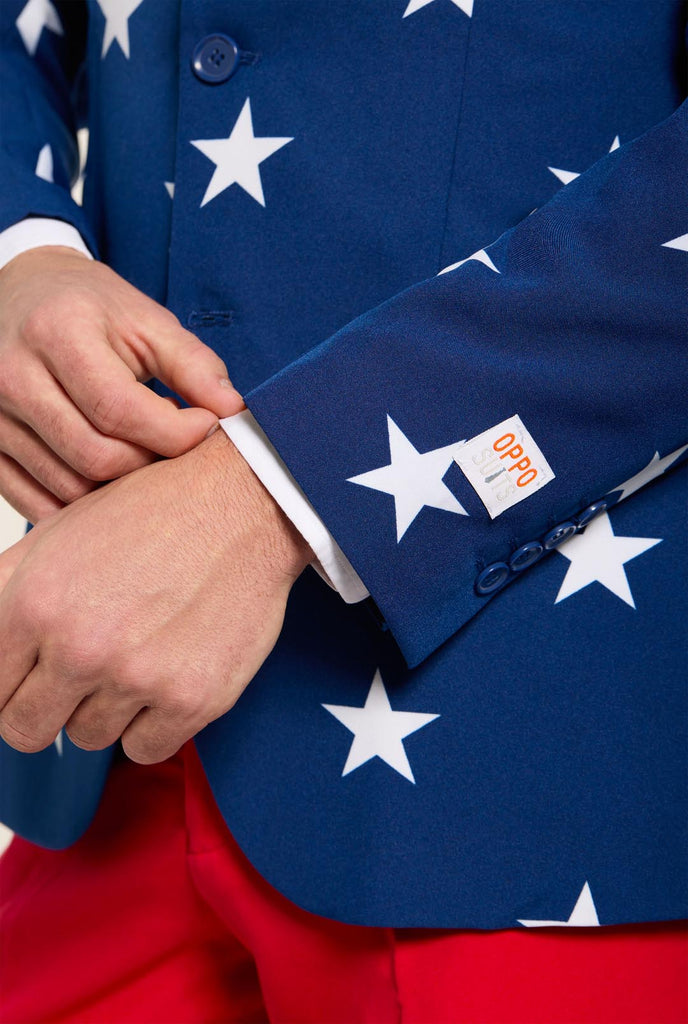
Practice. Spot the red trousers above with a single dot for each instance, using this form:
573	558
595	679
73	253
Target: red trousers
156	916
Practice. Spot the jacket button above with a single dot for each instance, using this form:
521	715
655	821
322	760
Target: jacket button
558	534
215	59
590	512
492	578
525	555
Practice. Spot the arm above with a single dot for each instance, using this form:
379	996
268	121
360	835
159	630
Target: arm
77	342
578	327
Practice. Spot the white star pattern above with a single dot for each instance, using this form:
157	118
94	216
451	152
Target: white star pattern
413	478
583	915
654	468
567	176
481	256
117	14
378	730
677	243
415	5
44	164
37	15
169	188
598	556
237	158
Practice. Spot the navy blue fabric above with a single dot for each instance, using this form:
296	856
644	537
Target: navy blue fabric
558	754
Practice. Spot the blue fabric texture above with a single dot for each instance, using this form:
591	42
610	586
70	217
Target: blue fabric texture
440	757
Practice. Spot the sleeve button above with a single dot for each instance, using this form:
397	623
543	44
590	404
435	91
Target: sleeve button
590	512
526	555
558	534
492	578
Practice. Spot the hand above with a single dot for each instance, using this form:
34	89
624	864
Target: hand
76	342
144	609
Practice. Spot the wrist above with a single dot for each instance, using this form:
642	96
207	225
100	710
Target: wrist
238	500
40	257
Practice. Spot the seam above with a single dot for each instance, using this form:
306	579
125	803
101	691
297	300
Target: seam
459	122
392	939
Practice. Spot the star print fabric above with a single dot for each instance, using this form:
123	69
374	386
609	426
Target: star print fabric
481	762
562	335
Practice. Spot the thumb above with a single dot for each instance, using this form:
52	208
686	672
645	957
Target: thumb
181	361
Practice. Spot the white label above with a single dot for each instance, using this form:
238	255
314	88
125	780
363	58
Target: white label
504	465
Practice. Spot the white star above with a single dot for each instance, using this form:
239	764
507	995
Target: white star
678	243
117	14
59	740
654	468
44	164
379	731
567	176
37	15
597	555
583	915
413	478
169	188
415	5
481	256
237	158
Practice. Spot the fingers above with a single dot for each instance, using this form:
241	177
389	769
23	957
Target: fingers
36	711
100	719
181	361
157	733
25	447
29	498
119	406
52	415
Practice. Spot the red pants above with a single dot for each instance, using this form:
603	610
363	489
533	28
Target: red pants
156	916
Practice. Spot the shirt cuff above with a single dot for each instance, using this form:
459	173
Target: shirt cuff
33	232
331	562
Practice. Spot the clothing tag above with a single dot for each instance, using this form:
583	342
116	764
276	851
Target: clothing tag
504	465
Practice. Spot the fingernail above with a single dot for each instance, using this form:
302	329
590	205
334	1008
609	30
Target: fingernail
225	382
215	426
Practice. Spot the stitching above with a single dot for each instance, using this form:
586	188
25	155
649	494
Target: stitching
207	317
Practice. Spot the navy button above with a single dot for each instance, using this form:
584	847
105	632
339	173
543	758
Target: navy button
526	555
558	534
590	512
215	59
492	578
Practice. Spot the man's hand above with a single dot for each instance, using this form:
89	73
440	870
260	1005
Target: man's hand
76	341
145	608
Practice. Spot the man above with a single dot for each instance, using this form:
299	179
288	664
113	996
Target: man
479	743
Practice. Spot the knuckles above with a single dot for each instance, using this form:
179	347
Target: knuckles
23	734
97	460
54	316
109	412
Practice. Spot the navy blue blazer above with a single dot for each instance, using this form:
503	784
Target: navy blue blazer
496	738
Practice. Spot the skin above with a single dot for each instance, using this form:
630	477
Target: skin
144	607
76	344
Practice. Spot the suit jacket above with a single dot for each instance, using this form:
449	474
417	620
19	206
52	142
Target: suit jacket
497	738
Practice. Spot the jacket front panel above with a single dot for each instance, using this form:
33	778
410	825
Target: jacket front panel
539	773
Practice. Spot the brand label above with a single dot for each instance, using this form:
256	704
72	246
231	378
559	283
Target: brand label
504	465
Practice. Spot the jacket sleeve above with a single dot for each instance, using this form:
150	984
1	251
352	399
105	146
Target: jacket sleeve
42	48
574	321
